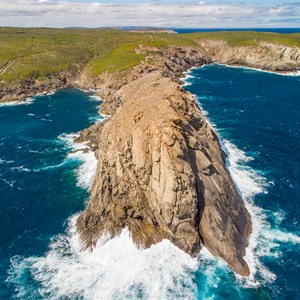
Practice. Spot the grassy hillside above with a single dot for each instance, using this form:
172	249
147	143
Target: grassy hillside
248	38
38	53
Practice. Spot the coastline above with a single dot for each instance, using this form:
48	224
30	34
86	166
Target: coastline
265	57
248	282
82	270
283	73
25	99
115	98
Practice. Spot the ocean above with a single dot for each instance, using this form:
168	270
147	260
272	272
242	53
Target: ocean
44	185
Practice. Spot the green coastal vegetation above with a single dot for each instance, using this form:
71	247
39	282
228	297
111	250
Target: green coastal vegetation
37	53
248	38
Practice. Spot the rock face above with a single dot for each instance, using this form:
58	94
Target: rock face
161	170
266	56
30	87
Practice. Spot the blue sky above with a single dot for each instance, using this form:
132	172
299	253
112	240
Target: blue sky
163	13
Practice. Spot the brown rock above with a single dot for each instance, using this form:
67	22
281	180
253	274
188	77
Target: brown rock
161	173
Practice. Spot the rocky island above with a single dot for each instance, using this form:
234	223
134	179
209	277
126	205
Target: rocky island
161	171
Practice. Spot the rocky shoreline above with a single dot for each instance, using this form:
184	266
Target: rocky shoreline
161	171
265	56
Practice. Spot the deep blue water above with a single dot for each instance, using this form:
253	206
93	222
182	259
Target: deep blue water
276	30
37	183
257	116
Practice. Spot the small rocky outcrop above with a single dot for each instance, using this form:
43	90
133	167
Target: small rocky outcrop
161	170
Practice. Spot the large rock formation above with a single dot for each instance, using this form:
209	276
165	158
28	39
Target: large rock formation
161	170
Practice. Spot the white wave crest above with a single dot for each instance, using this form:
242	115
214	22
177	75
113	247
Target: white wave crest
86	171
95	97
80	151
15	103
295	73
187	76
114	270
247	180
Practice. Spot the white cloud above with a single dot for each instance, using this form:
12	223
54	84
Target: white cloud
95	14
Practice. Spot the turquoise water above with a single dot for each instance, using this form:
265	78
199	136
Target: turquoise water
44	186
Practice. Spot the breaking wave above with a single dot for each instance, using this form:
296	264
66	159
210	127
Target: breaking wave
80	151
115	270
14	103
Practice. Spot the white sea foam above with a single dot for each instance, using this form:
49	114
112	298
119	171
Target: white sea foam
14	103
249	183
115	270
266	239
10	183
187	75
86	171
296	73
80	151
46	120
21	168
95	97
3	161
51	93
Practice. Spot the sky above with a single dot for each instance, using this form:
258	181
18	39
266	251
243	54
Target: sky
162	13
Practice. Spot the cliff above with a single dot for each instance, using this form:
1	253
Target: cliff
161	170
31	87
264	55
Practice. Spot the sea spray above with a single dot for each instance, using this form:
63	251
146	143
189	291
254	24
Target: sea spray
290	73
114	270
27	101
80	151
